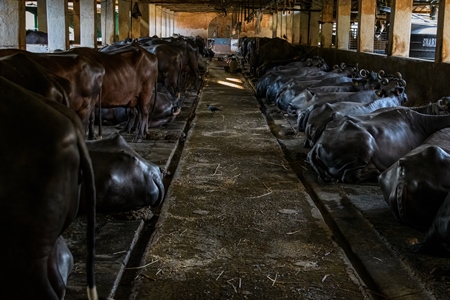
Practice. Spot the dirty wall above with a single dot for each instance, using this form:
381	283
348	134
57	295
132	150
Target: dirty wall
193	24
426	81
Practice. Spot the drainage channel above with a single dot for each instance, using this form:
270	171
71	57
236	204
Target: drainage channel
129	285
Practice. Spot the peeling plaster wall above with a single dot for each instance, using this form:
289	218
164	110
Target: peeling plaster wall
222	26
193	24
249	29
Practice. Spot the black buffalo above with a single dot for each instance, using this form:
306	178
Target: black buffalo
165	110
416	185
265	49
124	180
357	151
321	115
437	238
294	69
36	37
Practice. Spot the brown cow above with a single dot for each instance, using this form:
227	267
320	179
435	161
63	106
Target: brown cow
130	80
39	194
85	77
22	70
167	108
170	64
186	47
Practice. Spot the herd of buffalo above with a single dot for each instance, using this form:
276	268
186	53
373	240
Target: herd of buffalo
54	164
359	128
356	123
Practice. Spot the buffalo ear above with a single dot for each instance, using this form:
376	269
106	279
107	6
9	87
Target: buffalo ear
399	90
358	81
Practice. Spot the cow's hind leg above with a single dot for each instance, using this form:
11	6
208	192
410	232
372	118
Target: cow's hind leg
147	100
91	128
131	123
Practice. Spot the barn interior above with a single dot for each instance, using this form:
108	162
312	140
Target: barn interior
244	215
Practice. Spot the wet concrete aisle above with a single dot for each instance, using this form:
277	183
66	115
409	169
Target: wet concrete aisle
237	223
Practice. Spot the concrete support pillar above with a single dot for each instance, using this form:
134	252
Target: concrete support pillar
173	18
296	25
174	23
366	25
167	11
343	16
314	30
107	21
400	29
289	22
159	31
443	32
13	12
124	19
58	36
88	25
327	23
163	22
145	19
152	22
280	24
42	15
76	22
166	22
304	27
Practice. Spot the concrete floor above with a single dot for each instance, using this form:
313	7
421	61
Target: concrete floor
245	218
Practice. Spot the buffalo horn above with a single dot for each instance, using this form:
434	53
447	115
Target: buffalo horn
441	105
363	73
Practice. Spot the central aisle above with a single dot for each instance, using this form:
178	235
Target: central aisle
237	223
